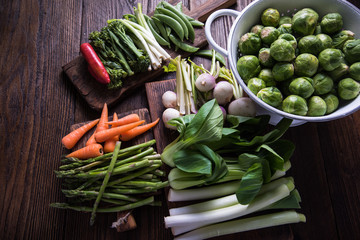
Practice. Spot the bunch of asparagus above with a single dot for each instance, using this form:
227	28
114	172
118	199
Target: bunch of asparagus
121	180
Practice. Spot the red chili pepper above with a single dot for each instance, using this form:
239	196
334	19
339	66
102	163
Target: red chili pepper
96	67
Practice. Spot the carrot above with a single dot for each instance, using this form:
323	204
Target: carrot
101	125
109	133
128	135
72	138
93	150
109	145
125	120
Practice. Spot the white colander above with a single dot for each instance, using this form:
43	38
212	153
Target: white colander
250	16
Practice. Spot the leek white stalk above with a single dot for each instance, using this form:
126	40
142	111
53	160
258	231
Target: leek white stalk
242	225
187	222
228	200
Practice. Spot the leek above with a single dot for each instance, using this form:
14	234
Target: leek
242	225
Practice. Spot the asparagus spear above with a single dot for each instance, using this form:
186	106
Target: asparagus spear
106	180
146	201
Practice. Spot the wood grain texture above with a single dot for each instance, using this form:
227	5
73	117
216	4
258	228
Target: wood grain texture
39	105
96	94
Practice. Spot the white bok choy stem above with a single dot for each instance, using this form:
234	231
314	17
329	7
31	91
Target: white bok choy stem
246	224
214	191
225	201
187	222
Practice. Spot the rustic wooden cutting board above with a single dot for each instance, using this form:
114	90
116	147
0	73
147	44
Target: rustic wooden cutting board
164	136
96	94
143	113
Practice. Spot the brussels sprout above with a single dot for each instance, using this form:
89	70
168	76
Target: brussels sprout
340	38
284	20
249	44
285	28
266	75
351	50
305	21
339	72
331	23
348	89
283	71
290	38
265	58
282	50
248	66
271	96
306	65
354	71
322	84
316	106
256	84
295	105
329	59
310	44
257	29
326	41
269	34
302	86
332	103
270	17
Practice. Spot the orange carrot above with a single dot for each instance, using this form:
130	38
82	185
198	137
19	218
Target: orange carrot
101	126
72	138
93	150
109	133
125	120
109	145
128	135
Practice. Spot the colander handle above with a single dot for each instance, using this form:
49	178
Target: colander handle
209	21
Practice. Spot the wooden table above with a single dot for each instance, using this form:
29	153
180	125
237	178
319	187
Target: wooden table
39	105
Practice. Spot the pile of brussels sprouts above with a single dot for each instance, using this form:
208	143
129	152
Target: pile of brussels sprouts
303	65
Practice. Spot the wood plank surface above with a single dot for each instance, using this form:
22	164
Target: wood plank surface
40	104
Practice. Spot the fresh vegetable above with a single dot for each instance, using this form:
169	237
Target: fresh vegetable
98	70
205	82
270	17
125	179
247	224
223	92
168	114
93	150
124	120
101	125
168	99
187	222
105	182
109	145
242	107
111	132
310	57
132	133
70	140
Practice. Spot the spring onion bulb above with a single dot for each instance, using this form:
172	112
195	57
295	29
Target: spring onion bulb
246	224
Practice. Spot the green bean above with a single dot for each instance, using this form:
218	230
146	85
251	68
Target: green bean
176	17
157	36
196	23
182	45
172	23
182	16
208	53
161	28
